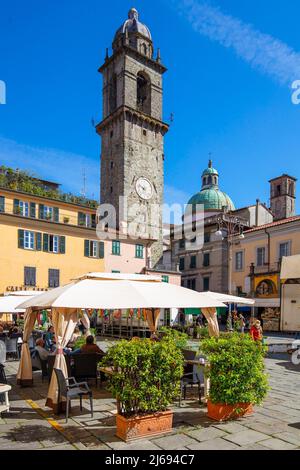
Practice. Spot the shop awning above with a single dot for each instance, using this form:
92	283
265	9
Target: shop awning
9	303
290	267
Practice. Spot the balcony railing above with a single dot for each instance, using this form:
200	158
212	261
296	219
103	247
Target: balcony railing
266	268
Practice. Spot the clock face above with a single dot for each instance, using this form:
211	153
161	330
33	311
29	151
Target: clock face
144	188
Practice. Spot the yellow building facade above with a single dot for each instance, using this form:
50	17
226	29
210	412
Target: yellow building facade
45	242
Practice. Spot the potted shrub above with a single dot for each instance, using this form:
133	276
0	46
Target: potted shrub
145	379
236	373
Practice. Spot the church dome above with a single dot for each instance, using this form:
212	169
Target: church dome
133	25
210	195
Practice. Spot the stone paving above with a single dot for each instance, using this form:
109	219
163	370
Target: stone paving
275	425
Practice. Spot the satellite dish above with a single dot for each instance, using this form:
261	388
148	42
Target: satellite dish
2	352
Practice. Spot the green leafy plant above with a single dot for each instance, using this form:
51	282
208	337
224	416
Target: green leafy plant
25	182
202	332
236	369
179	337
146	374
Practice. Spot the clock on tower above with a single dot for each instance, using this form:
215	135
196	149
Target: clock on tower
132	132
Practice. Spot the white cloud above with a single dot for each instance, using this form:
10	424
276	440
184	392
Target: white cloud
53	164
262	51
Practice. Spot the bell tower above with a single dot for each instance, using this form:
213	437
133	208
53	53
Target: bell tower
132	133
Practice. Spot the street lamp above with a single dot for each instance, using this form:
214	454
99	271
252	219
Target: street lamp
234	228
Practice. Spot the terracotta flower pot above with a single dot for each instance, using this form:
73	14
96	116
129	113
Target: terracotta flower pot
138	427
223	412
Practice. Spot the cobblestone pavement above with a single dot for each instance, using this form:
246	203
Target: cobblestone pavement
275	425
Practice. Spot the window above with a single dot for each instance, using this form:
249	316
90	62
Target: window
143	93
29	276
261	256
139	251
206	284
239	261
48	213
115	271
167	317
181	264
113	93
206	237
191	284
53	243
2	203
284	249
165	278
206	259
193	263
28	240
87	220
24	208
116	247
53	278
93	249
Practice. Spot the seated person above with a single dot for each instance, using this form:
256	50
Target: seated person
89	347
50	339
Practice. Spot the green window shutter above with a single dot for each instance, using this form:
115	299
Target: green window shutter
2	204
45	242
86	248
41	211
55	214
101	250
116	248
21	238
81	218
32	210
38	241
16	206
165	278
62	245
139	251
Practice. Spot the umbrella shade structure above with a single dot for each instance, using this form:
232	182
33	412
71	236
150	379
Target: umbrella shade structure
109	292
102	291
230	299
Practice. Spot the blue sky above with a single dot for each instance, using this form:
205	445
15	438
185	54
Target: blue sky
230	69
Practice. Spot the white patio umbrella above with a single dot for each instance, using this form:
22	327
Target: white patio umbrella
96	291
230	299
9	303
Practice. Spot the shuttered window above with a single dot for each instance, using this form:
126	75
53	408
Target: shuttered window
53	278
181	264
2	204
139	251
29	276
193	263
54	243
32	210
165	278
116	247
